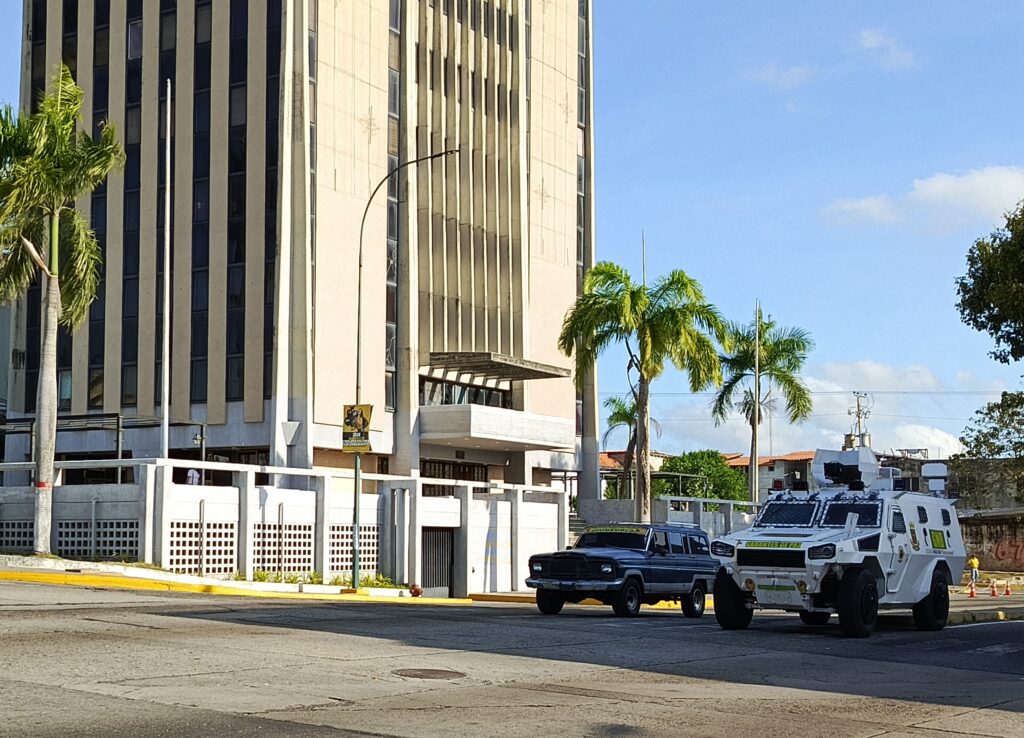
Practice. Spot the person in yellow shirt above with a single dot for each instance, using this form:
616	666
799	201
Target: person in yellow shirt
973	563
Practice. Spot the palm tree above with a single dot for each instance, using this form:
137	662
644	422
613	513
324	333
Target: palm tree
46	162
783	352
623	415
668	320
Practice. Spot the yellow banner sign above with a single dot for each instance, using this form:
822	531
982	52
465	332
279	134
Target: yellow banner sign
772	544
355	433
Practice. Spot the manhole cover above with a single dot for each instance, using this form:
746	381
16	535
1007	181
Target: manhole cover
428	673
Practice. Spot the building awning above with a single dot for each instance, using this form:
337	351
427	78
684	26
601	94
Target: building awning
490	365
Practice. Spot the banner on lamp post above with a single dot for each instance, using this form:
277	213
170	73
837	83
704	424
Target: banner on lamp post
355	433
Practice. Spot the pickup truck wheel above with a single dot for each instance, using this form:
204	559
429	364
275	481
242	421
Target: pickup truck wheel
857	603
815	617
693	603
548	602
731	609
627	602
932	612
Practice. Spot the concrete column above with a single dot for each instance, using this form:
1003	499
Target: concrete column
515	496
414	536
519	469
245	482
461	566
725	508
147	503
322	530
563	520
161	523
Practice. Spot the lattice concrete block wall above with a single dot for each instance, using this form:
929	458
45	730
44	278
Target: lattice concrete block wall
113	539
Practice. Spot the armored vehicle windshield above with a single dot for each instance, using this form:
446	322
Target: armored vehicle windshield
869	514
787	514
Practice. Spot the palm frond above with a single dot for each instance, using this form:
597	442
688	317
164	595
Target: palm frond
79	269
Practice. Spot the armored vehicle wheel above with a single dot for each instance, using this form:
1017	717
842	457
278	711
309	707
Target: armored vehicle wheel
693	603
731	609
627	602
548	602
814	618
932	612
858	603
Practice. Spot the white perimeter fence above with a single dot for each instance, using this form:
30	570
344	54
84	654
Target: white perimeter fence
478	538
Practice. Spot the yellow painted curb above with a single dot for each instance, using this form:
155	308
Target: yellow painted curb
118	582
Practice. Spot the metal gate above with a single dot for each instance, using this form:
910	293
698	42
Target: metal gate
438	558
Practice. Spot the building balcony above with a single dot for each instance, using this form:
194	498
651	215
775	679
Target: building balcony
494	428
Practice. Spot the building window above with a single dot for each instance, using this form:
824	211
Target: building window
134	40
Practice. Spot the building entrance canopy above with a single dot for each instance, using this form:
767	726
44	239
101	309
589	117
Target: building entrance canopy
487	365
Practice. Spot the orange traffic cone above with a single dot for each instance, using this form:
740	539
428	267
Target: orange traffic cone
972	590
993	593
1007	593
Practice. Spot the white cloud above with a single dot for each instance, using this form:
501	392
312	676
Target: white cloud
784	79
942	201
988	192
885	50
879	209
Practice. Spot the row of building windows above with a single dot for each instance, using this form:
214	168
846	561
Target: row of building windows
391	273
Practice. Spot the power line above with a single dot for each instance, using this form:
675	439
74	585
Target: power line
976	393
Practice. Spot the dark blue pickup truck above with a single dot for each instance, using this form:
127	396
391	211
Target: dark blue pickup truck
625	565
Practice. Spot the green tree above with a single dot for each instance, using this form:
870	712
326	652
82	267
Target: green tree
992	460
782	354
668	321
46	162
623	415
992	292
711	476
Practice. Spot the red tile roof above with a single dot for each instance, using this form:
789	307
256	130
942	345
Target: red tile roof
741	461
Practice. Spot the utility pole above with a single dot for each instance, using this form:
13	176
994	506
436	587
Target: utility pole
861	413
756	411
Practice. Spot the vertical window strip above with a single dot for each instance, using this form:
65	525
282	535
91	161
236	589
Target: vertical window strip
201	204
393	228
167	68
270	219
234	385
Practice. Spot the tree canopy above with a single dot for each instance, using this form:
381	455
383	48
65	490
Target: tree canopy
991	294
992	460
716	478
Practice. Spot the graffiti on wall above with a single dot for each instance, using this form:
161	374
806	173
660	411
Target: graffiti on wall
1009	551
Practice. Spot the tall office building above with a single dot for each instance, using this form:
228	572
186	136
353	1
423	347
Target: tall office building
286	114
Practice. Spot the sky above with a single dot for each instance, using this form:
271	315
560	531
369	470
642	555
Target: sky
834	161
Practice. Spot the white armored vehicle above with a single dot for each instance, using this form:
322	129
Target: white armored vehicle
853	546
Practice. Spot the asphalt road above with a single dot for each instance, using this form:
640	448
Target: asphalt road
82	662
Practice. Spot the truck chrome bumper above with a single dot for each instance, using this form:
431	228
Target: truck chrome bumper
595	585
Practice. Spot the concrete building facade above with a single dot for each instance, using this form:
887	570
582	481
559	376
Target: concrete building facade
286	114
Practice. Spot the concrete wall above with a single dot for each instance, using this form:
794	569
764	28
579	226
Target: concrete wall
998	542
715	522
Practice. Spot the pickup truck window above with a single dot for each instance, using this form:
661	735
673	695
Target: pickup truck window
675	541
609	538
698	545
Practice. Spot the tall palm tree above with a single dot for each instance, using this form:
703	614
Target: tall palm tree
46	162
783	352
623	415
669	320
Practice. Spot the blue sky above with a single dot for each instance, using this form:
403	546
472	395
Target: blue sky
835	161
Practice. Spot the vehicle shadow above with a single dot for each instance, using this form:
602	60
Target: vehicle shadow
777	650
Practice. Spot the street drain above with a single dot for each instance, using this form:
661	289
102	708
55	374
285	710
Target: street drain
428	673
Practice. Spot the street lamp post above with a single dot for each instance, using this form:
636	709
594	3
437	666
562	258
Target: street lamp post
359	352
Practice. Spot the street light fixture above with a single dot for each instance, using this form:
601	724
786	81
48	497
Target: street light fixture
359	351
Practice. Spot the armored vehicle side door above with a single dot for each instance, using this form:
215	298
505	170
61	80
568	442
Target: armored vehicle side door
900	550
